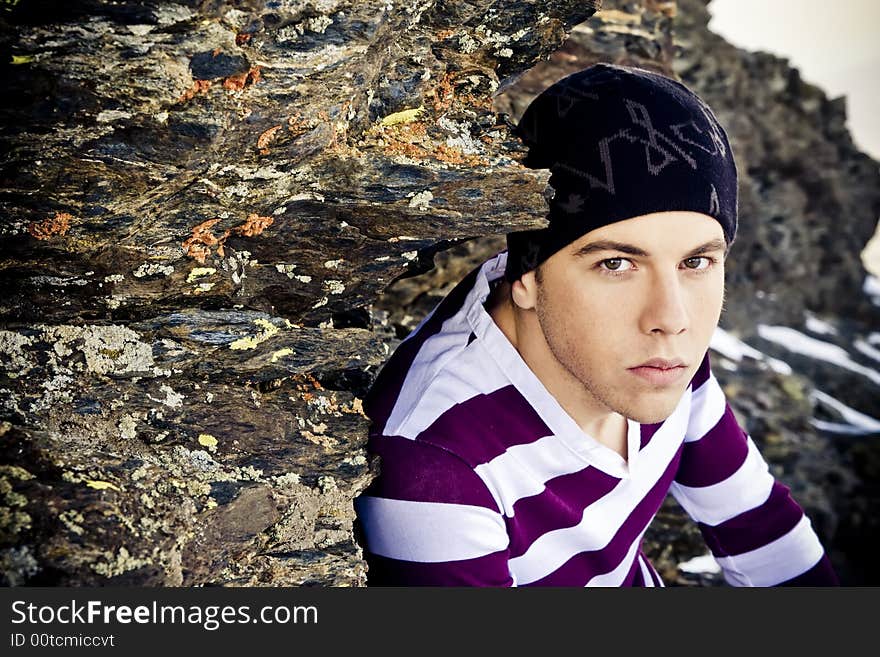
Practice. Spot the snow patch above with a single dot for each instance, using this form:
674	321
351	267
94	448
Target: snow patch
797	342
855	422
702	564
817	325
867	349
735	349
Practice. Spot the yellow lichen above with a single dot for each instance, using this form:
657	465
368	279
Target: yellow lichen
198	272
16	499
281	353
247	342
198	488
73	520
13	522
118	563
207	440
147	501
793	388
249	472
267	325
404	116
100	485
250	342
15	472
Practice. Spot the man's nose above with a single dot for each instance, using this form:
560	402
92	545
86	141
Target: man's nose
665	310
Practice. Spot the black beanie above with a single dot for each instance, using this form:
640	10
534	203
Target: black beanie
621	142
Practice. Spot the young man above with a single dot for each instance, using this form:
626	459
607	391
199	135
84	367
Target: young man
531	426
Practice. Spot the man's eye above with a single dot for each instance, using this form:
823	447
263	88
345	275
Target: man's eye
698	262
616	264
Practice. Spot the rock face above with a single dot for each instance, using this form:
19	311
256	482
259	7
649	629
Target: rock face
202	204
200	200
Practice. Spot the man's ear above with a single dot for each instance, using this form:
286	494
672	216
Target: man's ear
524	291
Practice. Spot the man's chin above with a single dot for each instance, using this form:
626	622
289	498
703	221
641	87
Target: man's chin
654	411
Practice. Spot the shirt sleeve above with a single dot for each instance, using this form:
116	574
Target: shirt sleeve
429	520
756	531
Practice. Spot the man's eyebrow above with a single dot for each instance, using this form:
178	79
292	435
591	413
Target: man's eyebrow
717	244
610	245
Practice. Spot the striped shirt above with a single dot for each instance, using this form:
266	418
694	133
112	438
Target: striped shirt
487	481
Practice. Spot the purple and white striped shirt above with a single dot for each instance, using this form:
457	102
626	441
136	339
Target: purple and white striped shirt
486	480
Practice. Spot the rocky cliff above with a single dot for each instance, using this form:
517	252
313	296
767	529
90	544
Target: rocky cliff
200	201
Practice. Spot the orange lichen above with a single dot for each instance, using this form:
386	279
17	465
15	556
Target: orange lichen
242	38
443	93
254	225
198	87
216	52
305	383
235	82
313	381
444	34
402	148
239	81
266	138
411	140
452	155
198	245
57	225
404	139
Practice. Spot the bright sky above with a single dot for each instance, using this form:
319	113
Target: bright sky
834	45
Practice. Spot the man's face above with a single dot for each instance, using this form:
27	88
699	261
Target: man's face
644	288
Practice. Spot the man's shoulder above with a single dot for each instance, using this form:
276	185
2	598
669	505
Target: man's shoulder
448	370
476	427
451	402
436	344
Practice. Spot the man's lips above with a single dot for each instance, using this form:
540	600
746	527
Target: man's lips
663	363
660	371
